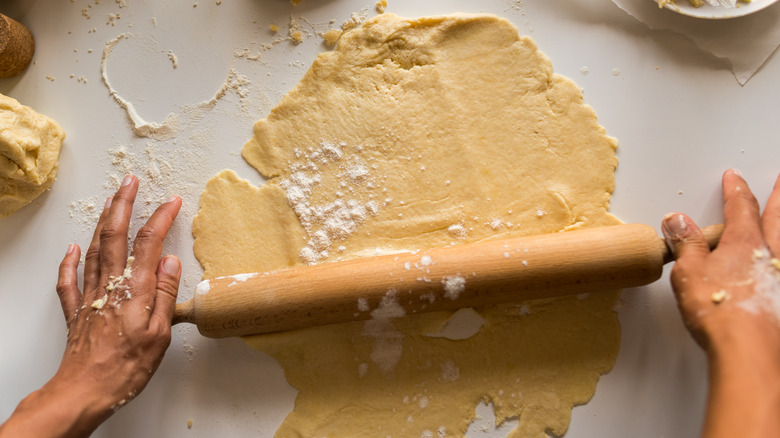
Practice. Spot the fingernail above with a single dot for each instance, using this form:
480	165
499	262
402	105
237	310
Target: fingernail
737	172
71	247
171	265
128	179
109	200
674	226
171	199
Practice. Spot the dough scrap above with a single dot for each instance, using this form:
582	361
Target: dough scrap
29	149
418	133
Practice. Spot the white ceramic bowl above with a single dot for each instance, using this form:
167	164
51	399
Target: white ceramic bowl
718	12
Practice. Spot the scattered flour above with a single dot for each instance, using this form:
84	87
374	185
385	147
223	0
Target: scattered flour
766	276
495	224
241	278
453	286
362	305
203	287
449	371
388	341
457	230
86	211
333	220
141	127
168	129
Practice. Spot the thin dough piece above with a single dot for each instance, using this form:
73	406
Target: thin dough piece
417	133
239	225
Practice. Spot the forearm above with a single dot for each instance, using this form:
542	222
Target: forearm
57	410
744	398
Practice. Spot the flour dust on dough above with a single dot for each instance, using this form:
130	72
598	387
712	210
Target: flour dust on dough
29	149
419	133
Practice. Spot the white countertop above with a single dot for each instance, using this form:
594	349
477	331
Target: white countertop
678	112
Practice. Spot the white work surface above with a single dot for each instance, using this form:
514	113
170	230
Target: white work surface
679	114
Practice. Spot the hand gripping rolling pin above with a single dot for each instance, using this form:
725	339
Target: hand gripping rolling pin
467	275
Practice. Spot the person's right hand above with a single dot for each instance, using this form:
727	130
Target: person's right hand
729	299
737	285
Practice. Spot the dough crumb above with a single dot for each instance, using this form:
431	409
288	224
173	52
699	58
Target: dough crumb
174	59
720	296
381	5
189	421
112	18
297	37
332	36
100	302
117	287
355	20
759	254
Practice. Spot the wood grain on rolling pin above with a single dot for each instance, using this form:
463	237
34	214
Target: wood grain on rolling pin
542	266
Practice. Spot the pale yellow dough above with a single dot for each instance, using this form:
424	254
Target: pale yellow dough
29	149
417	133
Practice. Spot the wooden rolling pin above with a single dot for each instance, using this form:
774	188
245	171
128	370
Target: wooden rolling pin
468	275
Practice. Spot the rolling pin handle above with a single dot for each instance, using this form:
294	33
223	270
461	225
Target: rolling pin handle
711	233
185	312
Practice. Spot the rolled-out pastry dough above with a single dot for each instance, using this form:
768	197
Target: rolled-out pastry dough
417	133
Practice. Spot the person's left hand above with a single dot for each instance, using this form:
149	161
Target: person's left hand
118	328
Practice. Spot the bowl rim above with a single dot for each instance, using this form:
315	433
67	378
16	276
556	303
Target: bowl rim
717	12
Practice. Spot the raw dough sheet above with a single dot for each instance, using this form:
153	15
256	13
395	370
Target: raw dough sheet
418	133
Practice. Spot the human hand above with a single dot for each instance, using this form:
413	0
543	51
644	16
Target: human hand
737	285
118	328
730	301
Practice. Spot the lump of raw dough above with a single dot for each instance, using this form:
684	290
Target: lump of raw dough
29	148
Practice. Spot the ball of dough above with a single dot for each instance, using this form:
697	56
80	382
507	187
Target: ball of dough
29	148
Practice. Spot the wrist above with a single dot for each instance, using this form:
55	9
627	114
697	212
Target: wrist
735	335
744	375
744	358
59	409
